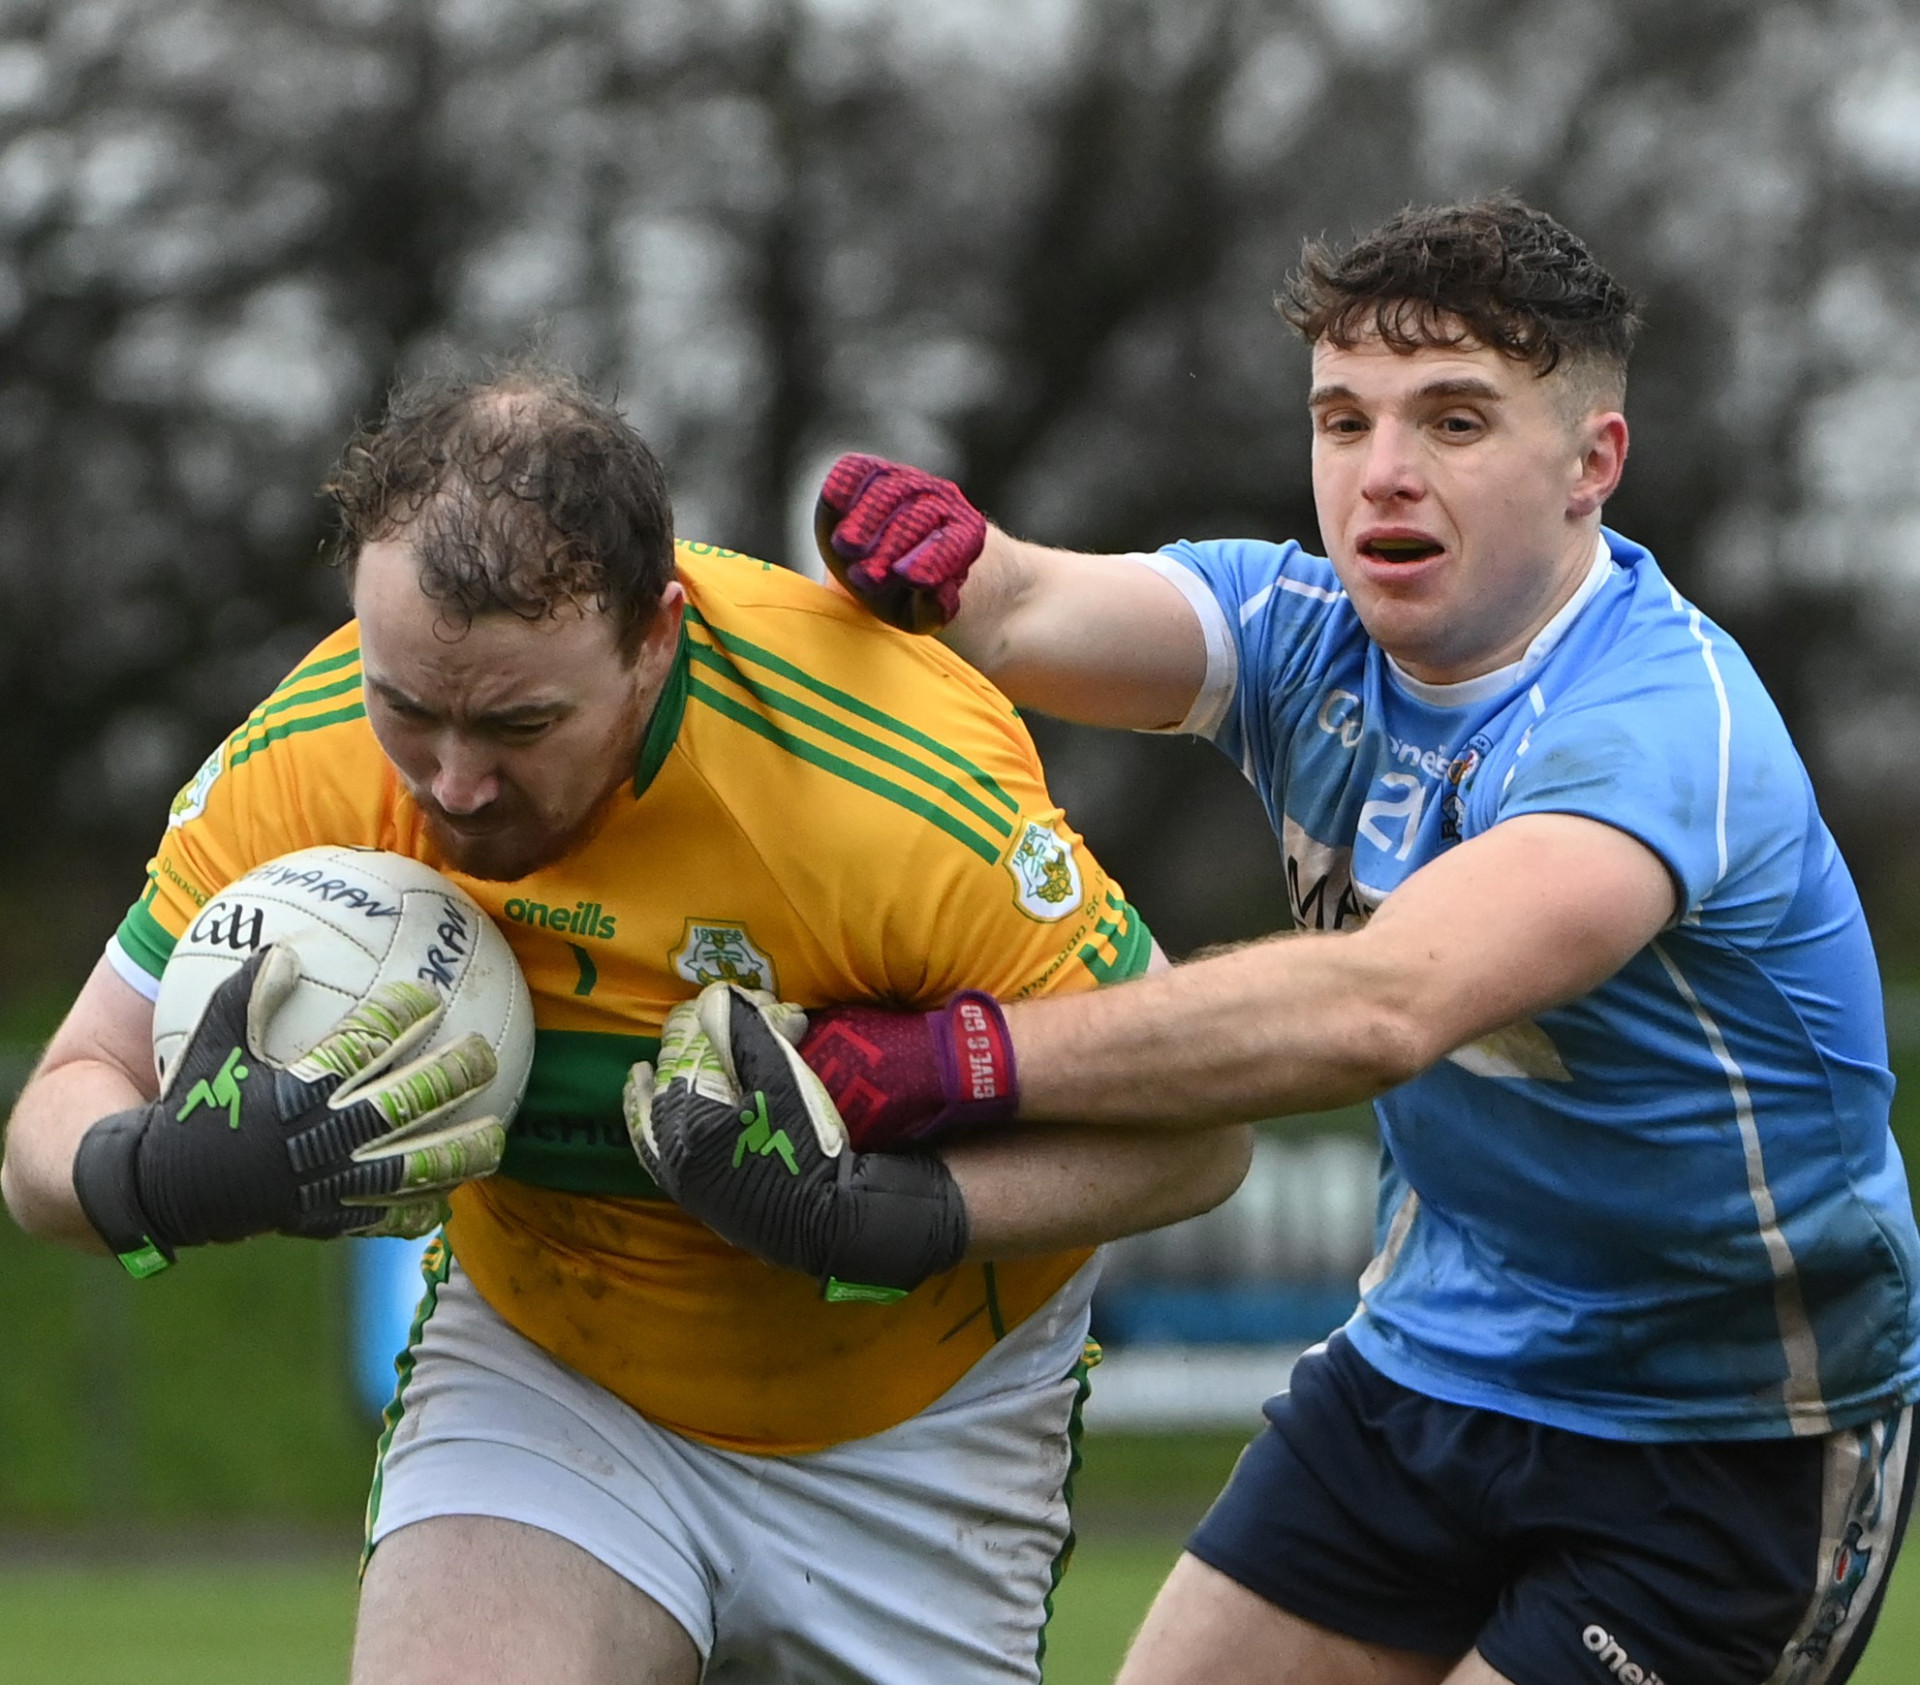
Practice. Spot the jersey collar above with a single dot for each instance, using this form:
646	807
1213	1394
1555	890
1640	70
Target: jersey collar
664	727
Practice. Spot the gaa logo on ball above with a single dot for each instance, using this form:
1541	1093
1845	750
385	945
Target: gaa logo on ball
356	918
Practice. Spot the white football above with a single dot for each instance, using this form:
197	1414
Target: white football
356	917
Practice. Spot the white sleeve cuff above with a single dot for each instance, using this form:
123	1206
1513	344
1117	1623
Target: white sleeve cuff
129	972
1210	707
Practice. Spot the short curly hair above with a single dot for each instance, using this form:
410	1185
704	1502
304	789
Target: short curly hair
518	494
1494	272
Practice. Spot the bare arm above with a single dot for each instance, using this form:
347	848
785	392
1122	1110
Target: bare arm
99	1061
1531	914
1099	639
1047	1189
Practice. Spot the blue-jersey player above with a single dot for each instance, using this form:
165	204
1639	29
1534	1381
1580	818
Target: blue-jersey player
1628	1394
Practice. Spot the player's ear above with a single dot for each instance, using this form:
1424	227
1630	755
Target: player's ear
661	638
1602	442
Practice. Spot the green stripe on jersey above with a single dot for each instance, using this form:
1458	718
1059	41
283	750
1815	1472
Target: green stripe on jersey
291	728
1132	949
828	762
314	669
287	697
776	702
569	1134
737	646
579	1071
146	941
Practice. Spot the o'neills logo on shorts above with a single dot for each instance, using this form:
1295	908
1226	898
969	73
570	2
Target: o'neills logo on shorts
1612	1655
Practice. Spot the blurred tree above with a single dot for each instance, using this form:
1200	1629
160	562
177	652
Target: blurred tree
1027	244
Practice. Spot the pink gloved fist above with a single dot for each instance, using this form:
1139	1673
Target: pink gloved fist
900	540
902	1079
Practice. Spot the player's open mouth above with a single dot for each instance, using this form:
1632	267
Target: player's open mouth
1400	549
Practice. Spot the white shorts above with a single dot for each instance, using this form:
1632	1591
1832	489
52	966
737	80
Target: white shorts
925	1553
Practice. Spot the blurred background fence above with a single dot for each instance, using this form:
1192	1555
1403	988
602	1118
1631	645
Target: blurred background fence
1027	242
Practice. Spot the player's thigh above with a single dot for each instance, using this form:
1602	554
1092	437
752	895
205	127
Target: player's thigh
475	1600
1206	1629
488	1427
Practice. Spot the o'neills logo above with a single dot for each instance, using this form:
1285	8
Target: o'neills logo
583	918
1612	1655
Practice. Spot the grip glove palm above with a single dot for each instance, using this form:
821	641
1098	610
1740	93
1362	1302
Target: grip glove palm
347	1139
738	1131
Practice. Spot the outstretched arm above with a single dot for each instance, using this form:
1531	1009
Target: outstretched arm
1099	639
1530	914
1102	640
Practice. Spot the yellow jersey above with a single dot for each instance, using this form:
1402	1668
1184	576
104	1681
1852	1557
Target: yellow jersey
821	807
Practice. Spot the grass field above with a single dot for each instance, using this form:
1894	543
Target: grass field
228	1623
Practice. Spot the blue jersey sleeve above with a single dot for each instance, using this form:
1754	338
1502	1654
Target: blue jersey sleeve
1687	753
1275	601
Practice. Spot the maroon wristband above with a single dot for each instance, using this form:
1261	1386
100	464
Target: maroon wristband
907	1077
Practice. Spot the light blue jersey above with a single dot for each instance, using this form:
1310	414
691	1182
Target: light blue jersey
1672	1209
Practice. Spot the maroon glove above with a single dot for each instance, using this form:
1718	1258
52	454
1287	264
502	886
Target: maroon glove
900	540
905	1077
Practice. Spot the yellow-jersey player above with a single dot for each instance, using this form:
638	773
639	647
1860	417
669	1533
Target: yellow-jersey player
623	1449
818	810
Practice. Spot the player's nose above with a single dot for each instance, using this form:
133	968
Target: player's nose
465	779
1392	465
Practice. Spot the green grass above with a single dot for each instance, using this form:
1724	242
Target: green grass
242	1623
199	1624
217	1392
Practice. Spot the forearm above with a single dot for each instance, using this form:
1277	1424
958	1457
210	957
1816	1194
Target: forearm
57	1107
997	589
1309	1022
1034	1191
1294	1024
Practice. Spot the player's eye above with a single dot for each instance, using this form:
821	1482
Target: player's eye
522	731
1460	424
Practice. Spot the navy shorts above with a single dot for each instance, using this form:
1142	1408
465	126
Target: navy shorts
1389	1516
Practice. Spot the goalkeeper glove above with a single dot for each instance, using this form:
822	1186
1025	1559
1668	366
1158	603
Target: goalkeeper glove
901	1077
736	1129
345	1140
900	540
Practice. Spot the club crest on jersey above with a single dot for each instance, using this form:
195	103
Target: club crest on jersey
192	800
1046	877
723	953
1453	808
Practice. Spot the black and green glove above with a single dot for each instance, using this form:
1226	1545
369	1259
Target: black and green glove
737	1130
348	1139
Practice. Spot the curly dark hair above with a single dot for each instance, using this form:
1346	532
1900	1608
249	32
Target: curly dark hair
517	493
1495	272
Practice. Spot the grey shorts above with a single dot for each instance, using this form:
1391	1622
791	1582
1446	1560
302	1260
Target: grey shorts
927	1552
